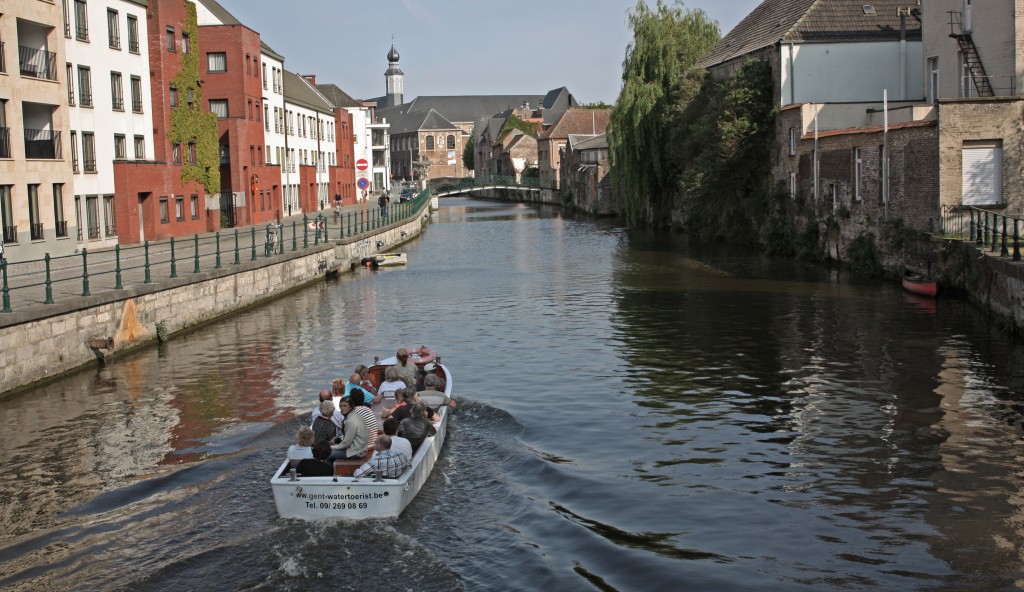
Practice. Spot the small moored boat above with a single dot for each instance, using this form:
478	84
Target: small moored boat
388	259
916	283
353	498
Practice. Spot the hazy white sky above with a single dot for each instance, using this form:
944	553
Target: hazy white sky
460	47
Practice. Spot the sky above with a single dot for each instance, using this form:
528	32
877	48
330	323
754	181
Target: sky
460	47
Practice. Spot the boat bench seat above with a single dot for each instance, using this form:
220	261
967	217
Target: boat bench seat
348	466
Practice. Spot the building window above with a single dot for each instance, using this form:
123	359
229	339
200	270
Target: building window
966	81
133	34
113	31
252	155
120	147
858	172
264	76
174	97
92	215
192	152
792	185
225	154
269	153
74	152
84	86
248	65
110	228
259	153
35	223
933	80
170	39
179	207
140	148
430	142
451	142
71	85
176	153
792	141
194	201
189	98
184	42
163	210
89	152
217	62
59	223
266	117
81	21
136	83
67	19
116	92
219	107
250	109
78	217
10	229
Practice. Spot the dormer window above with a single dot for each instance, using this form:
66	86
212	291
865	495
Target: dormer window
869	9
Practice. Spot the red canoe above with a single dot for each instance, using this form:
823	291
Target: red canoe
918	284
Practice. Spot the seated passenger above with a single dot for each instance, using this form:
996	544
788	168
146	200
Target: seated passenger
353	385
325	395
398	443
302	447
400	402
413	397
388	463
407	366
360	429
417	427
433	393
323	426
364	375
318	466
394	379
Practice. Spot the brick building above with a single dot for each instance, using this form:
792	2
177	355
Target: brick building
586	173
551	142
151	200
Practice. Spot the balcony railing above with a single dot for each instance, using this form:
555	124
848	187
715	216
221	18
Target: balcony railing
10	234
44	144
36	230
137	106
133	44
62	227
94	231
37	63
110	230
5	142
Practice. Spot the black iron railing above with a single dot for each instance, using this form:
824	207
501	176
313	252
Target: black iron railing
10	234
37	63
986	228
62	227
110	230
43	144
36	230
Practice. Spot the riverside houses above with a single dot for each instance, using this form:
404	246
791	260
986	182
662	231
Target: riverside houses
309	120
108	95
36	210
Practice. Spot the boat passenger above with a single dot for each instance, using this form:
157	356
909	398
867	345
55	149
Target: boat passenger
413	397
323	426
318	466
433	393
400	402
355	441
387	462
394	379
407	366
353	385
417	427
302	447
364	376
325	395
398	443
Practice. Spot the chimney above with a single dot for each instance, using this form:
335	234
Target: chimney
310	78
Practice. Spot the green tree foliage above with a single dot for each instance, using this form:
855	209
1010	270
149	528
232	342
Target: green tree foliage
723	140
513	122
189	122
667	43
468	156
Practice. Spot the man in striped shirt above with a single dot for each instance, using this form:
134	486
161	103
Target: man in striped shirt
389	464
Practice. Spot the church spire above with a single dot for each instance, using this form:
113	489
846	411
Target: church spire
394	79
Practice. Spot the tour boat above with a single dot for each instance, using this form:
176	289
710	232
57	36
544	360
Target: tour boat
346	497
916	283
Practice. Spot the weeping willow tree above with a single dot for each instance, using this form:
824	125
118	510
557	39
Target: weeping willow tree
667	42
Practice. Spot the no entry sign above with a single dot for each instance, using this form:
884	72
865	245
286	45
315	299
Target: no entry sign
362	165
363	183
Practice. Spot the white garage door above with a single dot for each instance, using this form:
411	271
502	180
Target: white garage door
982	175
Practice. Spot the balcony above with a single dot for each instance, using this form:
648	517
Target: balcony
36	230
62	227
37	63
5	142
42	144
10	234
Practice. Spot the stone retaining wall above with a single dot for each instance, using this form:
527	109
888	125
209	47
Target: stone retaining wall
46	347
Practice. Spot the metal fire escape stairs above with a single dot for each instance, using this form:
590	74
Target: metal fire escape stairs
970	54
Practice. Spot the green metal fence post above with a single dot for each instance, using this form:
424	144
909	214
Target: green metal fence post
217	236
280	239
174	264
253	242
85	272
1016	241
238	258
305	231
196	244
6	288
349	214
295	237
266	243
117	268
1003	250
148	279
49	284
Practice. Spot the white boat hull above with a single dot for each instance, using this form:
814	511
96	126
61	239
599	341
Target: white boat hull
351	498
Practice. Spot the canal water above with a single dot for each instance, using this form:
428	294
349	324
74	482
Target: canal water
636	414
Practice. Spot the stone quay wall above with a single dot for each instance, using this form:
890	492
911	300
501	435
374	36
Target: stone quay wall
104	325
